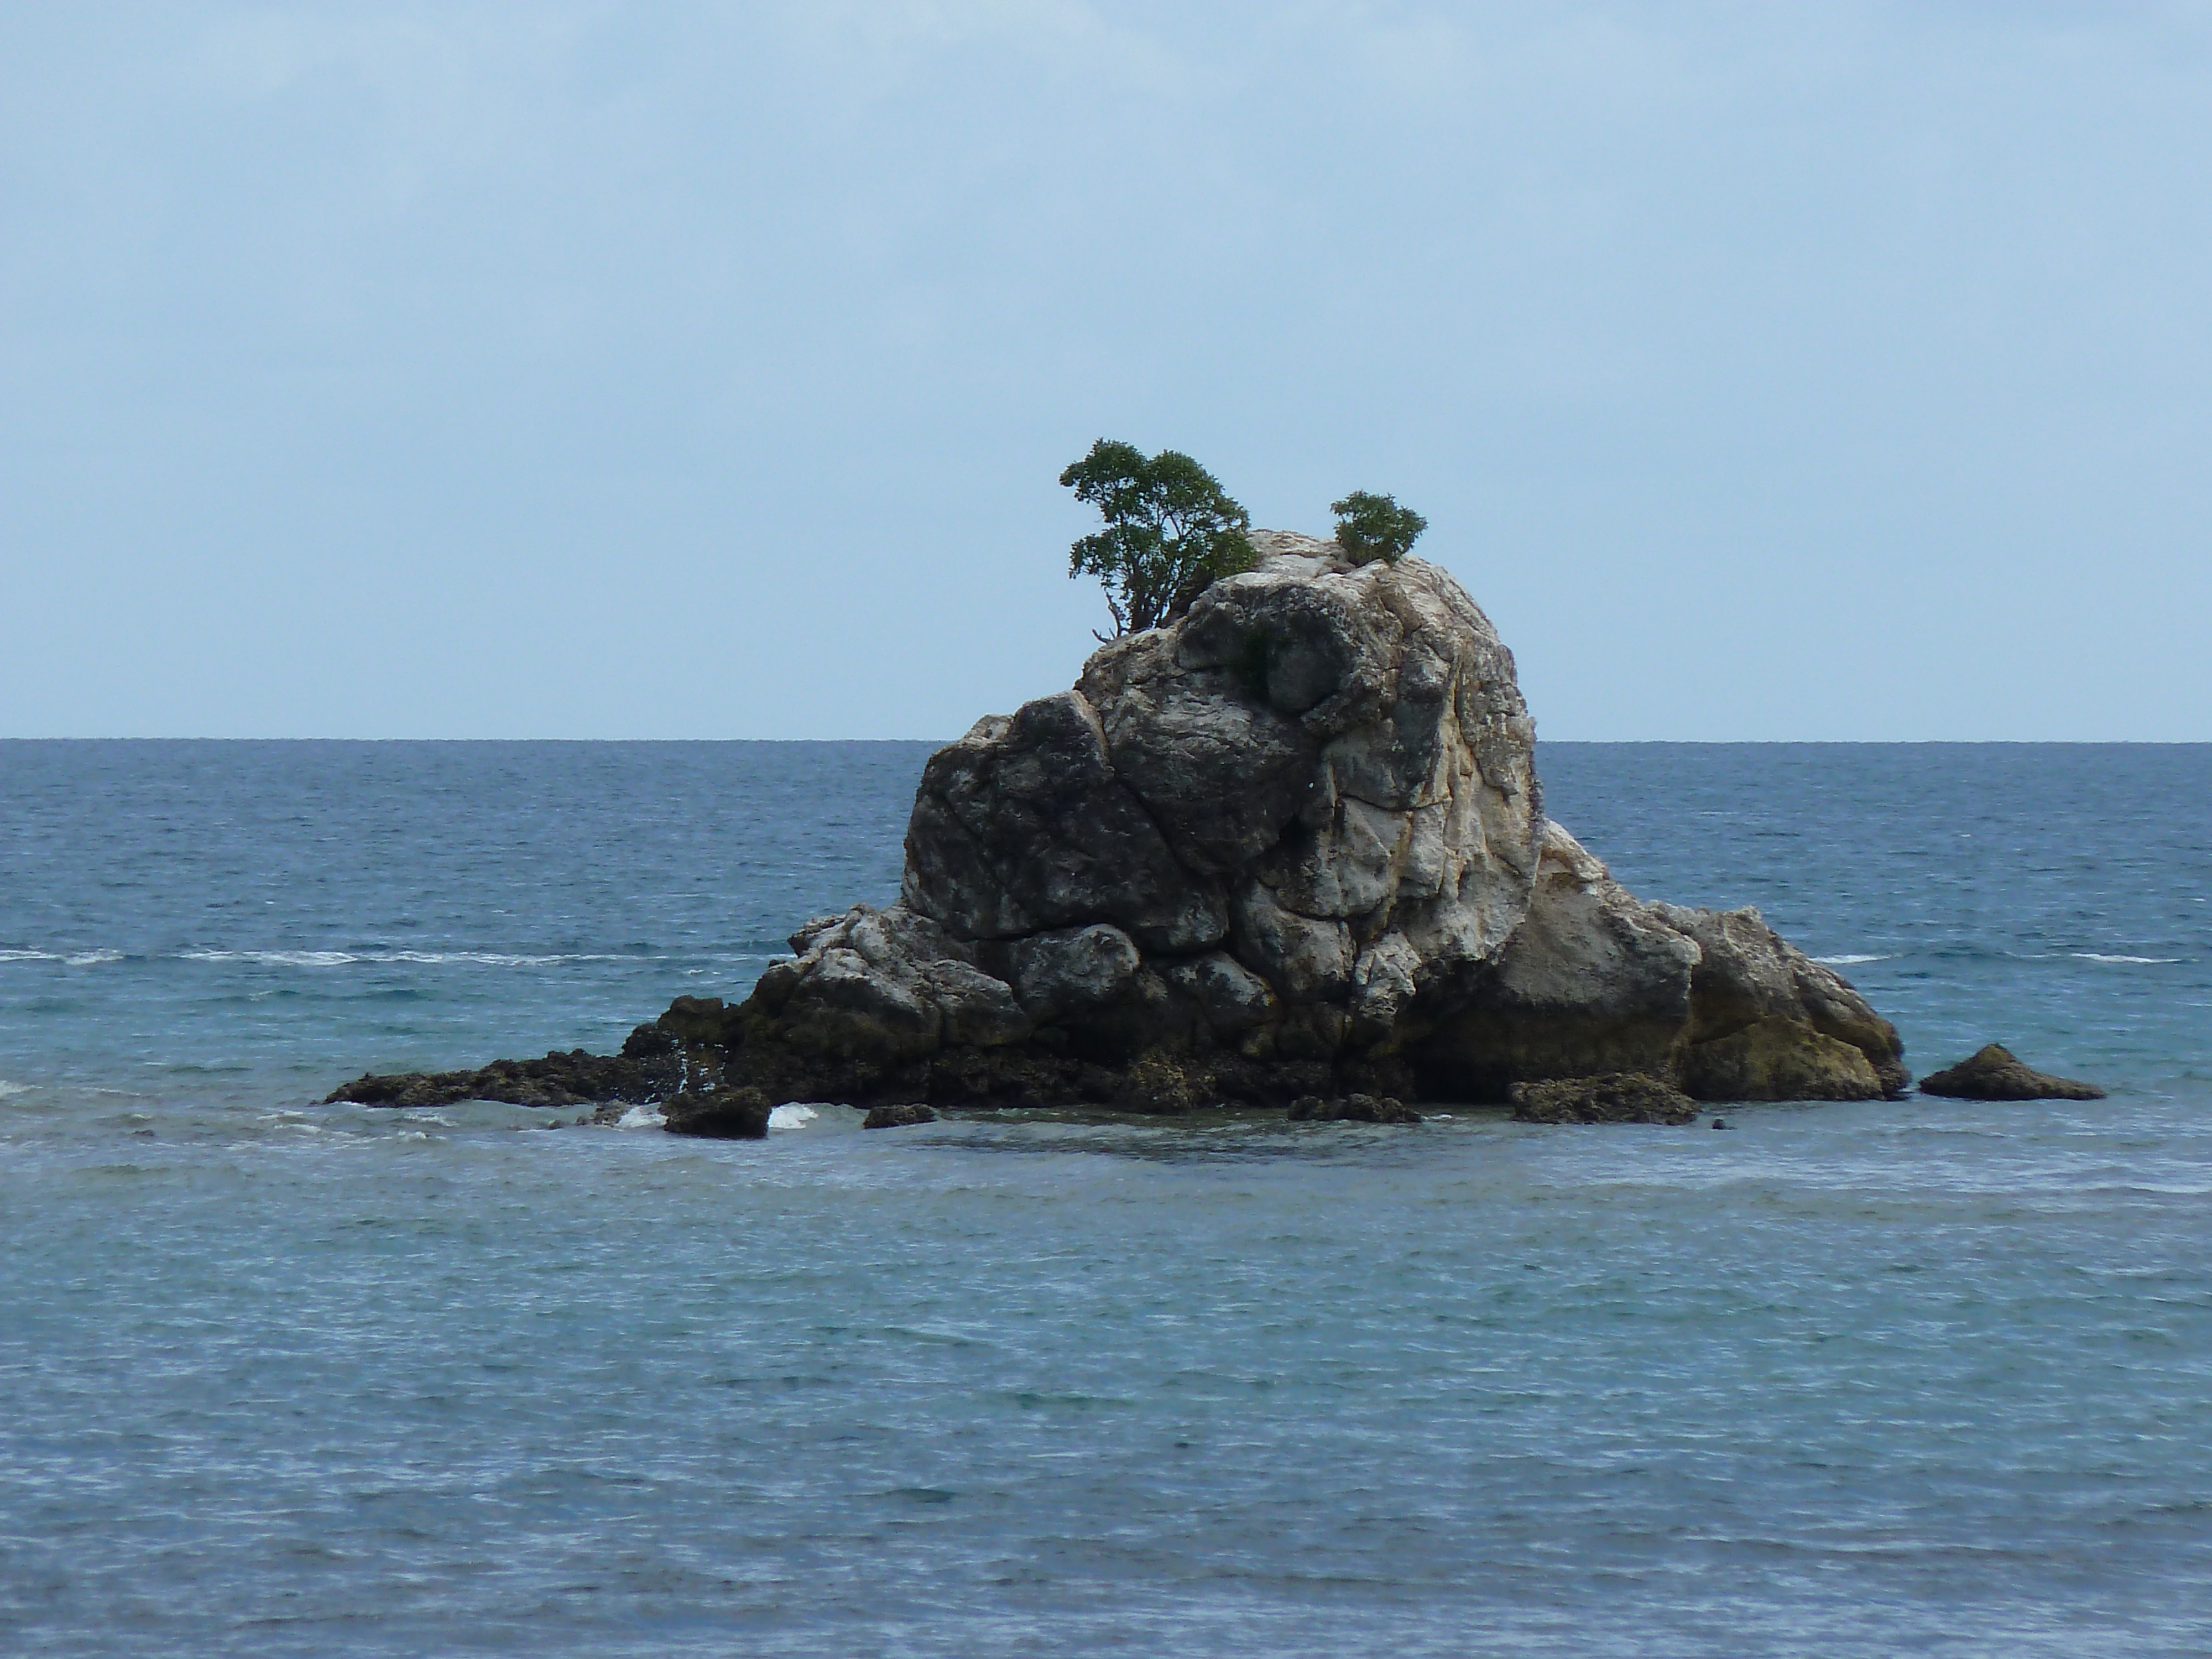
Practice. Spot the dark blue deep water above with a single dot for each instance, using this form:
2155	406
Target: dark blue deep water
1849	1380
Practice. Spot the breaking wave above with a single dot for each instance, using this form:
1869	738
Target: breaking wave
340	958
332	958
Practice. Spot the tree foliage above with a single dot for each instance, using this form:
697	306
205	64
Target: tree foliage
1171	532
1371	527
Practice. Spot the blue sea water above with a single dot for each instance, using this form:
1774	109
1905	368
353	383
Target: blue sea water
1846	1380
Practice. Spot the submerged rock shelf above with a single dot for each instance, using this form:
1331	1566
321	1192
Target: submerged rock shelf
1290	845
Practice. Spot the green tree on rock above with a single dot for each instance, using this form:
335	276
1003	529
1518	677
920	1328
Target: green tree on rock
1371	527
1171	532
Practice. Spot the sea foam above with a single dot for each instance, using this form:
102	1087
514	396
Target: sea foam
340	958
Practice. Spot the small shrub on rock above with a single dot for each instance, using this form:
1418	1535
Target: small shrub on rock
1371	527
1171	532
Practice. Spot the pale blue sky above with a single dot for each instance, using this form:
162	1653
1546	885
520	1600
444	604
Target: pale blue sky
1788	370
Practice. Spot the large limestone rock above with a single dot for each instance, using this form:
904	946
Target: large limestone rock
1290	845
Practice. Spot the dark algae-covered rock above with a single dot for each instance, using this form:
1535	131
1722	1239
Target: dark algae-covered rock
1290	843
904	1115
739	1113
577	1079
1619	1097
1994	1073
1352	1108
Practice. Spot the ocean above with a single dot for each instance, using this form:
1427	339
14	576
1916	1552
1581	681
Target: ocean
1916	1376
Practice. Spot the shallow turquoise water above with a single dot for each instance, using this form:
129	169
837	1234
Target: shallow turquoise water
1845	1380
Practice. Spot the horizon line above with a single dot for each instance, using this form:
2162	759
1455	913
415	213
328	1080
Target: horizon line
1653	743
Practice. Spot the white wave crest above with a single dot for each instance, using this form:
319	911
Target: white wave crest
1851	960
340	958
640	1117
791	1117
2148	962
8	1088
329	959
487	958
273	958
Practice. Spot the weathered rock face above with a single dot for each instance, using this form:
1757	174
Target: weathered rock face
1596	980
1593	981
1290	845
1322	776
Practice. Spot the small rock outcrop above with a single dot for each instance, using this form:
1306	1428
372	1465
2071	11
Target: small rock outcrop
1620	1097
1995	1073
904	1115
1290	844
1353	1109
575	1079
739	1113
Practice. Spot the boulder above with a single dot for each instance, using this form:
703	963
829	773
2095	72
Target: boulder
739	1113
904	1115
1619	1097
1995	1073
1352	1108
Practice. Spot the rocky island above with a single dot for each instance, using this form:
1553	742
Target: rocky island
1288	846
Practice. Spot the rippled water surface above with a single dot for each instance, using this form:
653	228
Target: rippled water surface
1840	1380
